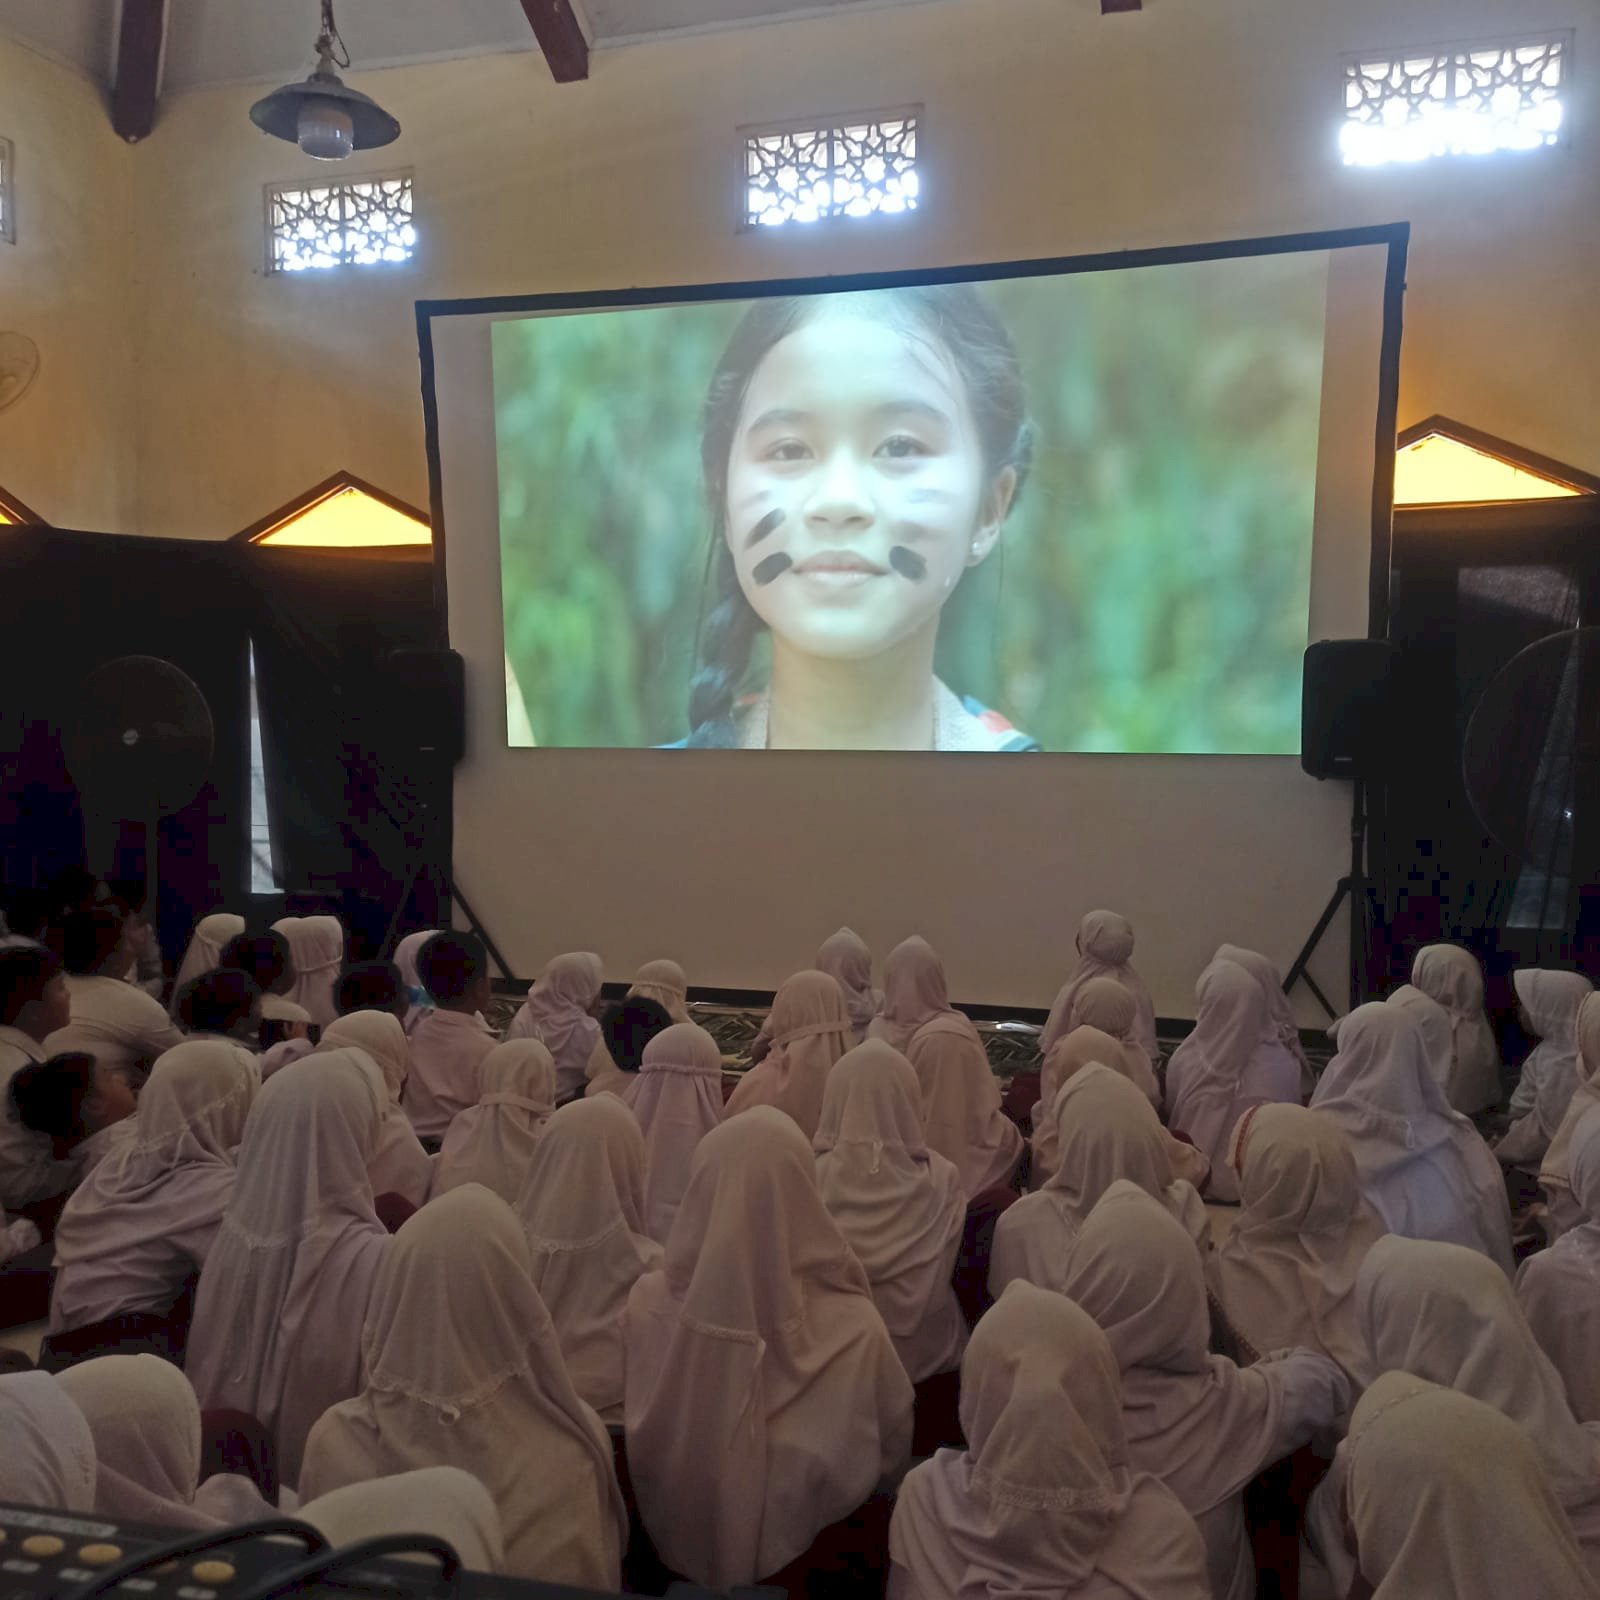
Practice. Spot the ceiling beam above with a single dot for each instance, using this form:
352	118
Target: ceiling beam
1111	7
141	39
555	25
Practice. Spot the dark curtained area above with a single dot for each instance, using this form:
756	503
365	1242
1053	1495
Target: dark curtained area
342	793
351	810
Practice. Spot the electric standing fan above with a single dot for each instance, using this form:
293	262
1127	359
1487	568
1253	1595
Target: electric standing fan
138	741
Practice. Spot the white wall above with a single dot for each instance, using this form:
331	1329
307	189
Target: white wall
67	446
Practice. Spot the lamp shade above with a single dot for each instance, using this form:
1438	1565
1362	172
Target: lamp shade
318	105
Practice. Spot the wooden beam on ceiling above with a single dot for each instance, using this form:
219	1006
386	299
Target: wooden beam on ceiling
141	39
1111	7
555	25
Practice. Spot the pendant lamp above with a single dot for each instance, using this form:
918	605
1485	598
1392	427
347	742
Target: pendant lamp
323	116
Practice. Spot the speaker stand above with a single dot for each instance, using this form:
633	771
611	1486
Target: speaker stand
426	813
1355	887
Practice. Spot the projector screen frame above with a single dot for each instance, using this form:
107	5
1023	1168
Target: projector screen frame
1391	238
1395	235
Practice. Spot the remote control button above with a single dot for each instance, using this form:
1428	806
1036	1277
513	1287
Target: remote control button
211	1572
100	1555
191	1593
19	1566
43	1545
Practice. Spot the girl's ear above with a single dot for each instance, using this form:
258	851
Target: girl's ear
992	515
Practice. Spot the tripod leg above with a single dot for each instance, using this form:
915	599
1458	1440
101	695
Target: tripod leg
478	928
1302	961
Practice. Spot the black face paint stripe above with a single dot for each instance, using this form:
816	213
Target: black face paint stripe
908	563
772	567
765	526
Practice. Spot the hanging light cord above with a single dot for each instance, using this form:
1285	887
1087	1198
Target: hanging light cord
330	43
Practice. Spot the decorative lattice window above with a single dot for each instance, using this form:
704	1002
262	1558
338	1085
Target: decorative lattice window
8	214
856	167
1456	100
354	222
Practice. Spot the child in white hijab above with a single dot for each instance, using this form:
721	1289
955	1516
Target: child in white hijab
400	1165
1281	1026
559	1014
1105	1130
493	1142
1442	1313
914	993
1451	976
1559	1288
463	1369
48	1459
665	983
145	1219
1105	950
145	1421
810	1032
445	1502
285	1287
1044	1501
1202	1425
1068	1056
316	951
1550	1004
844	956
583	1207
1104	1005
764	1397
1433	1023
1287	1272
1232	1061
1447	1497
1562	1208
677	1098
961	1105
1424	1169
205	946
899	1204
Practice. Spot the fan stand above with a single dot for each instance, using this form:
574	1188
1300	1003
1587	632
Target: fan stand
1355	886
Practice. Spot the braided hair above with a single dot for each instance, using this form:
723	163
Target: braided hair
953	316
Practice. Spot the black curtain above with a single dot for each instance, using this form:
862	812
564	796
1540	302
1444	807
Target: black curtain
70	602
352	812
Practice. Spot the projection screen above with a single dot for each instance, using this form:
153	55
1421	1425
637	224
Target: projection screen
731	565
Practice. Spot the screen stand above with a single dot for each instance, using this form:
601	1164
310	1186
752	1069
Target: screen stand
1356	887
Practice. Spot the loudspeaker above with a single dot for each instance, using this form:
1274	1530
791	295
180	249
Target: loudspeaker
1345	708
430	696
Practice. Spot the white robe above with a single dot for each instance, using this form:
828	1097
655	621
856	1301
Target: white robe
764	1397
462	1369
1201	1424
1044	1501
120	1026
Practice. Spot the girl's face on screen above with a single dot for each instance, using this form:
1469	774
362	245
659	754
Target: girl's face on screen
859	432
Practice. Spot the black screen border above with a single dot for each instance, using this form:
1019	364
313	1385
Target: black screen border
1396	236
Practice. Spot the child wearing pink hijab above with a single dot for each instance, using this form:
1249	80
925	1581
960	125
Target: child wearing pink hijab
677	1098
1105	950
810	1032
1229	1063
316	952
1044	1500
1550	1002
559	1013
145	1219
764	1398
277	1316
914	993
900	1204
1201	1424
961	1112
